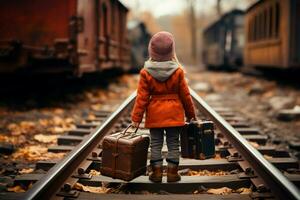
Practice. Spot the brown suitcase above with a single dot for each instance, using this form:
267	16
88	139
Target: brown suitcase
124	155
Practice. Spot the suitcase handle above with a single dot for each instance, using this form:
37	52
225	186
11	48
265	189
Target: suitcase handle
124	133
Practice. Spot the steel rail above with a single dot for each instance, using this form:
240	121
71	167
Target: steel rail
281	187
49	184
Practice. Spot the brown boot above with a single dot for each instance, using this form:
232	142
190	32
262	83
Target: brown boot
156	174
172	175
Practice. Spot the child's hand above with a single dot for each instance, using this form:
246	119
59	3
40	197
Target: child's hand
192	119
135	124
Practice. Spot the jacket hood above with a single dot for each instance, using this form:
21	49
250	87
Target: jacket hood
161	71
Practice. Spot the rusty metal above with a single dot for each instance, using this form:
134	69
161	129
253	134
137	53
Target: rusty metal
80	36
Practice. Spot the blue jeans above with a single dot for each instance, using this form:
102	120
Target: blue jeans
157	140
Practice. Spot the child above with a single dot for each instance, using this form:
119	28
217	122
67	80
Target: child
163	93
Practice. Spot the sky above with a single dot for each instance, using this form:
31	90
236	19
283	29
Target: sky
165	7
156	7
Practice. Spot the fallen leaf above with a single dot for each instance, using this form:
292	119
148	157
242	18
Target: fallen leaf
57	120
35	153
58	111
13	139
27	124
14	129
254	144
243	190
57	129
12	126
196	192
26	171
207	173
89	95
22	128
91	117
59	125
68	121
268	157
98	190
94	172
217	156
30	185
96	107
3	138
44	122
46	138
220	191
17	189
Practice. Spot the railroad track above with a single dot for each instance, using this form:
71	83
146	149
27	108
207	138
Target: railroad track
268	171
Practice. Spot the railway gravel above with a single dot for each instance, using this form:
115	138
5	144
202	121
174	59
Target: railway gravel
258	99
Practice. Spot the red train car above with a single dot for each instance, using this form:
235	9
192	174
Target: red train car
62	36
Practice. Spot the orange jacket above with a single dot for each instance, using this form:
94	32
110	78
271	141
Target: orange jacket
166	103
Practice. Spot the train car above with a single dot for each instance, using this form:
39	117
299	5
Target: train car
139	38
72	37
273	34
223	42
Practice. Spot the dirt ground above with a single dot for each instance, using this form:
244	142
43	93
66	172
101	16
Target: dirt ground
31	121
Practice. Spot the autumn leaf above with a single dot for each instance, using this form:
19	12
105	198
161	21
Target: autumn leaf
14	129
17	189
26	171
254	144
98	190
207	173
35	153
56	129
243	190
92	97
96	107
91	117
68	121
58	111
15	140
57	120
58	125
46	138
23	127
94	172
220	191
44	122
30	185
3	138
196	192
268	157
218	156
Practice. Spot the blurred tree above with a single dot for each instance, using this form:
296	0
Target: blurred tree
151	23
193	29
188	25
181	31
219	8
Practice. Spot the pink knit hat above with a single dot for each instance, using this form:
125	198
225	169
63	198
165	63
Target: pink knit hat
161	46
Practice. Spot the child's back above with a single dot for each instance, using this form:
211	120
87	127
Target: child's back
164	95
